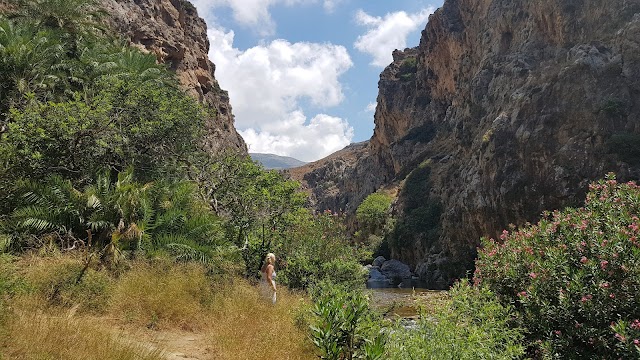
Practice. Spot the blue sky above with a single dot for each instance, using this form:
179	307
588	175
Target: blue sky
302	75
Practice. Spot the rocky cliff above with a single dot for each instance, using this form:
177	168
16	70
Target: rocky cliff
505	109
173	31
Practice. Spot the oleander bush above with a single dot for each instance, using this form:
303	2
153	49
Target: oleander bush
574	277
343	327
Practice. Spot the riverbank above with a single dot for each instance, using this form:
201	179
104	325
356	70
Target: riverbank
395	303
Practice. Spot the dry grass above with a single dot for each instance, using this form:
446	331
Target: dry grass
248	326
38	336
163	295
53	279
230	321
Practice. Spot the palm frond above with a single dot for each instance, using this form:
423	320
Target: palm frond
186	253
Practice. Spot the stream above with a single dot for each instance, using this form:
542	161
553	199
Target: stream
403	302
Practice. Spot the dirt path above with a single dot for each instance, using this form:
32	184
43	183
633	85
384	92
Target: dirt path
179	345
174	344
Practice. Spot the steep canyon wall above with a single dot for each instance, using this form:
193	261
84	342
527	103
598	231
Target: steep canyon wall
505	109
173	31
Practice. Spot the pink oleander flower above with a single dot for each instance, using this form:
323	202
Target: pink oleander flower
522	294
603	264
635	324
533	275
612	295
636	342
584	259
586	298
605	285
621	338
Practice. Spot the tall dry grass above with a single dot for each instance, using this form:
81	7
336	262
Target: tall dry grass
247	326
163	295
56	281
55	318
40	336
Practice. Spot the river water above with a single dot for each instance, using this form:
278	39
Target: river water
404	302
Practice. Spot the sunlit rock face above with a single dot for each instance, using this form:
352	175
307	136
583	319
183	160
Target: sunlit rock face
173	31
504	110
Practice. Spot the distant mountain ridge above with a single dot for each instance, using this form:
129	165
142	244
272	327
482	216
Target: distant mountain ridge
276	162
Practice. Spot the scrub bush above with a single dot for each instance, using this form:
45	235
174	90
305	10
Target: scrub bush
472	325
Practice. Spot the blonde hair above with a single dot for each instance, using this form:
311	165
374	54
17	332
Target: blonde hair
270	258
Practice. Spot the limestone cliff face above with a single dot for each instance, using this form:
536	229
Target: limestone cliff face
505	109
173	31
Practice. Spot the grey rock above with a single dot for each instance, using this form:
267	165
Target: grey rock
379	261
396	270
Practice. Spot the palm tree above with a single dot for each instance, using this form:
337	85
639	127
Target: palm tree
27	56
56	207
123	216
74	19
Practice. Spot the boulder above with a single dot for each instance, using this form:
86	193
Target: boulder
396	270
379	261
376	278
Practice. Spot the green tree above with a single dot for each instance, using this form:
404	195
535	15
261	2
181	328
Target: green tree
128	124
316	247
73	20
255	203
122	216
373	215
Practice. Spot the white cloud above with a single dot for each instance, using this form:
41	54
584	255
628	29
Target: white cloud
387	34
250	13
371	107
322	136
330	5
266	84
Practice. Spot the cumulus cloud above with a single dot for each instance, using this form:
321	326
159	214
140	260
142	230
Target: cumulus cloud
266	85
371	107
250	13
322	136
388	33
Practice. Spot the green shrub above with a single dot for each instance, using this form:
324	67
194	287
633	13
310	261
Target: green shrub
373	214
575	276
473	326
420	222
319	249
613	107
343	327
409	66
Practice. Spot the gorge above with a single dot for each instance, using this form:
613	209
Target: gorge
505	109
